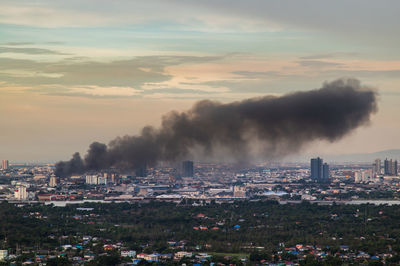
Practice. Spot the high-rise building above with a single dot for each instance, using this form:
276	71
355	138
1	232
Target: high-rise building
187	169
96	180
91	179
316	169
363	176
376	167
53	181
111	178
325	172
357	177
4	165
141	172
386	167
394	168
390	167
366	175
20	193
319	170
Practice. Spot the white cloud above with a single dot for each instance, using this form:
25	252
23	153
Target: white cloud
104	91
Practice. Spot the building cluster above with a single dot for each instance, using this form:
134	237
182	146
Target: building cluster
319	170
390	167
198	183
201	182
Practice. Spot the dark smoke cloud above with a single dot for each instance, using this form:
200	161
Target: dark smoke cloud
276	126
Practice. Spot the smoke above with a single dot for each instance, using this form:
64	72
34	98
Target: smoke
266	126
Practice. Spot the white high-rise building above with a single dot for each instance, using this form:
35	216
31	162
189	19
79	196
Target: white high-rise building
366	175
53	181
5	165
96	180
362	176
20	193
357	177
91	179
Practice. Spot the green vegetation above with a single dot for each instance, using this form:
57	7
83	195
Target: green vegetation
265	228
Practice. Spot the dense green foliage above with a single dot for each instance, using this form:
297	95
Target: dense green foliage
148	227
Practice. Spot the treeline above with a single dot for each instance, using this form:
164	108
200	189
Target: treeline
237	227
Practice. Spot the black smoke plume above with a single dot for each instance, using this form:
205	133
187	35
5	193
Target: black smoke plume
274	126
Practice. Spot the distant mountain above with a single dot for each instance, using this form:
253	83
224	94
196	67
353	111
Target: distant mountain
364	157
352	157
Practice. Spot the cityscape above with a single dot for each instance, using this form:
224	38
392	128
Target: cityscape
197	185
285	182
199	133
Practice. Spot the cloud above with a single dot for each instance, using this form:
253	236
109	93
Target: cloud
393	74
18	43
91	91
92	78
32	51
318	63
47	14
357	20
257	74
330	55
178	76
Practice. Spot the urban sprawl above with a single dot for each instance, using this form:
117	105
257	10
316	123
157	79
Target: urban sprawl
209	196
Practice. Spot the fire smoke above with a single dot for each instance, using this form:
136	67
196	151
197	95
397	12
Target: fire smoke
276	126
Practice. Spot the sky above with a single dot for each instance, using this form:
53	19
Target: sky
73	72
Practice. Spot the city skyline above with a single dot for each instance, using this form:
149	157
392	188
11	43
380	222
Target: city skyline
72	73
199	132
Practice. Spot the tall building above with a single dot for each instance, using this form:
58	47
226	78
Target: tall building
390	167
96	180
20	193
363	176
319	170
187	169
386	167
4	165
141	172
395	168
357	177
111	178
325	172
316	169
376	167
53	181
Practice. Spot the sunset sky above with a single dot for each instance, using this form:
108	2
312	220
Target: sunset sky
73	72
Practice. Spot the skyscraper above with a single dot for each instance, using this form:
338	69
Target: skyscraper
325	172
390	167
386	167
376	167
5	165
187	169
316	169
319	170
